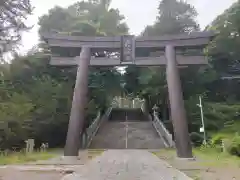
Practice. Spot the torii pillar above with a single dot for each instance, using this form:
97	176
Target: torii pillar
178	113
79	104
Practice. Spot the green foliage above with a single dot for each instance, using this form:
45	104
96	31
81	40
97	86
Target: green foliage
218	138
220	97
227	41
86	17
56	19
234	147
224	54
21	157
14	115
174	17
230	136
231	143
12	20
222	112
36	100
36	97
196	138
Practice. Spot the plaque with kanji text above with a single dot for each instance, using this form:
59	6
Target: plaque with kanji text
128	49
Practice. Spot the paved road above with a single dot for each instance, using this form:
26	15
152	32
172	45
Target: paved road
127	165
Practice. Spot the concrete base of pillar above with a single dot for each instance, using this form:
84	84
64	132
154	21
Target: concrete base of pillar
73	176
70	158
186	159
82	157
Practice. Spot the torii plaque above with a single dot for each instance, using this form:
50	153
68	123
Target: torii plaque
172	50
127	50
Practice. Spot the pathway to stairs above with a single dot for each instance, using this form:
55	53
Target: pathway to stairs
127	165
111	165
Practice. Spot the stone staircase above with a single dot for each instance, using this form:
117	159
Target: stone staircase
125	131
142	135
111	135
127	114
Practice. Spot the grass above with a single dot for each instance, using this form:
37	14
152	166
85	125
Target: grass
208	163
20	157
212	157
206	156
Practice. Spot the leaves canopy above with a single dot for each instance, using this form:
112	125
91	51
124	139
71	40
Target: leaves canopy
47	91
174	17
13	14
179	17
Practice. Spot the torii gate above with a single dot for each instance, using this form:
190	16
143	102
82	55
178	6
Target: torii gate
170	51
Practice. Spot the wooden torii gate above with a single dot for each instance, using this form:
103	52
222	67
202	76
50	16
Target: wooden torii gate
171	51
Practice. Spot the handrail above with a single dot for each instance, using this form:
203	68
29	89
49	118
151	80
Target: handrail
90	131
94	127
162	131
95	121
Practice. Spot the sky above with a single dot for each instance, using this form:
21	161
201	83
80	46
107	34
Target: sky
138	14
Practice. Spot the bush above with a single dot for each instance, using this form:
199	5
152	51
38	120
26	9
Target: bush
196	138
218	138
208	148
234	147
231	143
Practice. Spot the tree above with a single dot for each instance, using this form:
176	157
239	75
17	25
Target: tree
86	18
174	17
220	93
44	91
13	14
89	18
226	43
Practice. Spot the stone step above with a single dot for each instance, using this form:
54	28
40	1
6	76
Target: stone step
127	114
130	135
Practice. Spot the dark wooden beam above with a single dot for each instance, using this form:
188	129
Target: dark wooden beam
178	113
79	104
193	35
139	44
139	61
74	43
72	61
193	39
176	43
230	77
59	36
161	61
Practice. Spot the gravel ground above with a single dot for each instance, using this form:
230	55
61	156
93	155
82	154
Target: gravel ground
111	165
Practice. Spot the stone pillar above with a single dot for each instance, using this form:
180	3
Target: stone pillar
178	113
79	103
